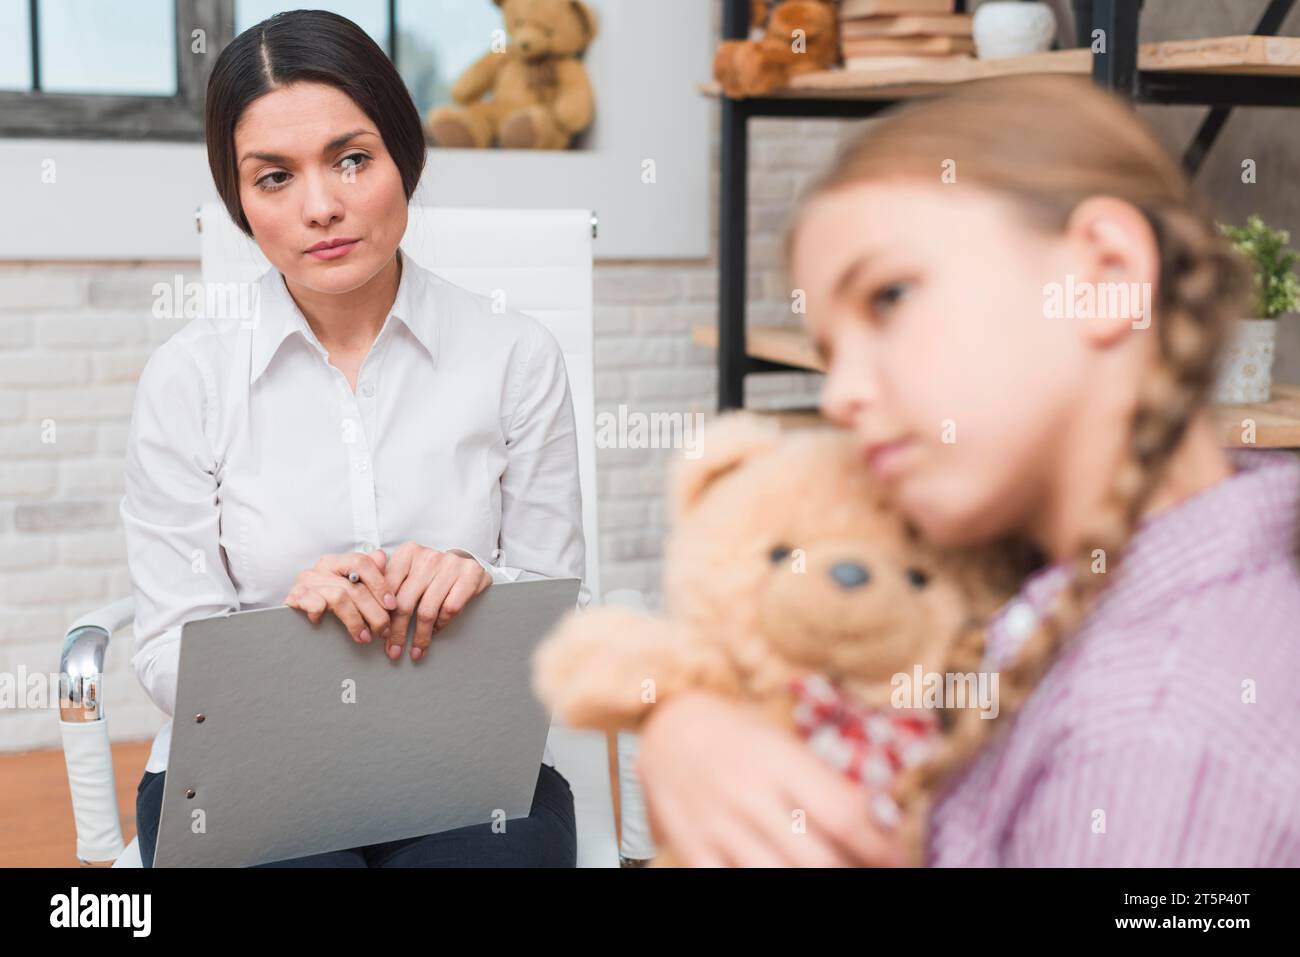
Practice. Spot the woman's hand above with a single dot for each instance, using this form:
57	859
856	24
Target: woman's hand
431	585
723	787
363	607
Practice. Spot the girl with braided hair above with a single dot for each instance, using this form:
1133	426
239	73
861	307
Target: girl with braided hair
1147	670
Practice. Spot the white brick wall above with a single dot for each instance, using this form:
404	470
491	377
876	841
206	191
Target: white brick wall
73	339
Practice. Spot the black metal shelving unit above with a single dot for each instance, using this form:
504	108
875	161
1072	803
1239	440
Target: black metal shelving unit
1115	69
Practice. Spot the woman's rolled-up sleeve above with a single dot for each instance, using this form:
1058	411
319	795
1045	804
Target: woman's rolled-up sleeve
171	517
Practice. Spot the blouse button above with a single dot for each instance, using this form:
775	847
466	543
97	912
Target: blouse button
1021	620
363	465
368	389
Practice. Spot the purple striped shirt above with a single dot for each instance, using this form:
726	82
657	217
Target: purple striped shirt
1169	731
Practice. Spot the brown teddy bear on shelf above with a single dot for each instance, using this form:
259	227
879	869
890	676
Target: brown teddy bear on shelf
540	94
799	36
792	585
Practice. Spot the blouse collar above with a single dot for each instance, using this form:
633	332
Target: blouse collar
280	317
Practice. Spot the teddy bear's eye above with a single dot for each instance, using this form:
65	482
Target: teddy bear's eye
917	578
779	554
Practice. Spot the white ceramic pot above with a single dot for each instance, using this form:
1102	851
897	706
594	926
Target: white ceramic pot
1003	28
1246	367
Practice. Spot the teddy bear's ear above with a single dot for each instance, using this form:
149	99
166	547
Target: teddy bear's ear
587	17
728	442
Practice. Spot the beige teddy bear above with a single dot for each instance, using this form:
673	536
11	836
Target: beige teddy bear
540	94
791	584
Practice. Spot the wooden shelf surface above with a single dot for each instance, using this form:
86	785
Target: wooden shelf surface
1276	422
789	419
917	76
788	344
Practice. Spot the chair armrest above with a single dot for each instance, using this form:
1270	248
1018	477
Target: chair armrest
89	758
635	843
82	725
81	660
111	617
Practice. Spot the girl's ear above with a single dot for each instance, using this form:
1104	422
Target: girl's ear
1119	263
731	440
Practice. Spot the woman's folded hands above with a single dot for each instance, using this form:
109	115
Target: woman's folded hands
417	582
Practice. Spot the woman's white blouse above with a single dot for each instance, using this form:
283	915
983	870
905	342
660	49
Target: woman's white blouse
249	456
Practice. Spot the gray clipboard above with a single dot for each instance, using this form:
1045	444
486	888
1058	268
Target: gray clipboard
285	763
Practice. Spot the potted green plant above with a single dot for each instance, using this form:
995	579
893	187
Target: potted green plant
1246	370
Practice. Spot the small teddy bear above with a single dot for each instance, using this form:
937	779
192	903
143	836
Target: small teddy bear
540	94
791	584
798	36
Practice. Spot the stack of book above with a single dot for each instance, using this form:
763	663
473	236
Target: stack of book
879	34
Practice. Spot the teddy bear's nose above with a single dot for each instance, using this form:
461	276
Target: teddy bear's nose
849	574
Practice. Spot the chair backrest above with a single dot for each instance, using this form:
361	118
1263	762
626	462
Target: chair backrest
539	260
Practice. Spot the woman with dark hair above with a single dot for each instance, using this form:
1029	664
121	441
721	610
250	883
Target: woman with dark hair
378	444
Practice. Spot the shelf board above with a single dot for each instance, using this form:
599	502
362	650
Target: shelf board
1237	55
789	419
1251	55
1277	422
787	344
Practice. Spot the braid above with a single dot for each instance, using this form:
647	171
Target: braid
1201	282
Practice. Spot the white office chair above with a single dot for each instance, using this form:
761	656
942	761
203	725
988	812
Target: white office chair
542	260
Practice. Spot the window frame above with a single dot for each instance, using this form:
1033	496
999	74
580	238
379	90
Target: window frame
35	113
177	118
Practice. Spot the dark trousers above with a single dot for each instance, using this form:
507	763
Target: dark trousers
546	838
